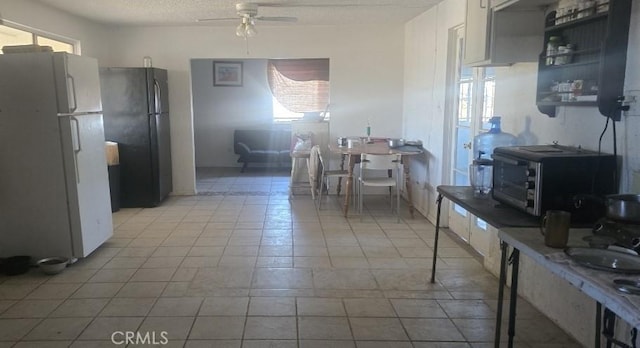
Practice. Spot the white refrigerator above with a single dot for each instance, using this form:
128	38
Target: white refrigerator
54	186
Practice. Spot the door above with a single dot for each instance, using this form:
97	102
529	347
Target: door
473	107
87	182
78	83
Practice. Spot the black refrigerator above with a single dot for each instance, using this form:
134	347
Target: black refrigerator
135	104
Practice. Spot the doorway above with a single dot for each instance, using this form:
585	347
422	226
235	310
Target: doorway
472	92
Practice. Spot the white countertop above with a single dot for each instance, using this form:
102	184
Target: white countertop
596	284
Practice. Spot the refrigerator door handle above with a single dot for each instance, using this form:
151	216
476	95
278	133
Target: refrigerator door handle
77	146
72	86
157	95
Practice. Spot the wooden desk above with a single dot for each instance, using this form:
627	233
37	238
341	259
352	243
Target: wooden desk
376	148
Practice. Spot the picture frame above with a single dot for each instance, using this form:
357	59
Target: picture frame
227	73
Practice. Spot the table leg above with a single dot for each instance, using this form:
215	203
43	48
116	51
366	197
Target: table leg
340	178
515	259
347	196
407	180
501	282
435	241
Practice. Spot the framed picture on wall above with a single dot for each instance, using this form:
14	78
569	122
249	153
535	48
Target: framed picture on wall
227	73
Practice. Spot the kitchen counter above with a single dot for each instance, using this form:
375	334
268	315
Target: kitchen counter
596	284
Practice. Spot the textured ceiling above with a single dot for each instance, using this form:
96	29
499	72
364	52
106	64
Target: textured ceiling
186	12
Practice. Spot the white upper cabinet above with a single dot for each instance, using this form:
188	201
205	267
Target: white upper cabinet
497	34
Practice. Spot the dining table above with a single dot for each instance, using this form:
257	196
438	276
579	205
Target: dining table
377	146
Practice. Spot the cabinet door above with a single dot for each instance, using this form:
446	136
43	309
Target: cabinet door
498	3
476	29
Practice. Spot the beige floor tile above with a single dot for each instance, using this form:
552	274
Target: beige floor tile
98	290
213	343
282	278
432	330
217	328
53	291
176	328
344	279
270	344
112	275
447	345
345	251
200	261
237	261
275	250
463	309
327	343
31	309
206	251
125	262
73	275
15	329
311	262
272	306
385	329
349	262
224	306
142	289
410	308
365	307
153	275
271	328
409	279
311	306
324	328
383	344
174	307
128	307
274	261
224	277
79	308
40	344
58	329
101	328
163	262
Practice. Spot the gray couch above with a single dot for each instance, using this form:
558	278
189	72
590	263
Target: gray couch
262	146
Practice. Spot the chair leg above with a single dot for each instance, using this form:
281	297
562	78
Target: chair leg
360	203
398	202
322	179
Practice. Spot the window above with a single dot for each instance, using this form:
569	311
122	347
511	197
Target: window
13	34
299	86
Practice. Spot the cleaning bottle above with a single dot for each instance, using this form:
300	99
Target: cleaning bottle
368	131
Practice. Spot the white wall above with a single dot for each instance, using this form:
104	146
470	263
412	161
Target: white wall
426	61
219	110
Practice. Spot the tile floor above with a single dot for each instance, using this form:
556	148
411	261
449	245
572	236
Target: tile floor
241	265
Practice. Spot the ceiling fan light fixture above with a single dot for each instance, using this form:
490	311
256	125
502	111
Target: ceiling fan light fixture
250	29
241	30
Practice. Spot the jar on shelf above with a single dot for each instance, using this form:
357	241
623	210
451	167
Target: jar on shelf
552	50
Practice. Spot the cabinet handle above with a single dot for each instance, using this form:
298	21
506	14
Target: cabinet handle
485	6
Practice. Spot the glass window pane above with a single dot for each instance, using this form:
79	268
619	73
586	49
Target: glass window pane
490	72
481	224
488	102
465	95
458	209
57	46
462	154
461	179
10	36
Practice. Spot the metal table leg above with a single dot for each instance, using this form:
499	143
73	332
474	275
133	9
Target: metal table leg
435	243
598	323
501	283
515	260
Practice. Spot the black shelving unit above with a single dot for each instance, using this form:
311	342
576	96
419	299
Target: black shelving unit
597	63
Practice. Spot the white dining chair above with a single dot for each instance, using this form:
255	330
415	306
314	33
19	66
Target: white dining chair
369	165
326	175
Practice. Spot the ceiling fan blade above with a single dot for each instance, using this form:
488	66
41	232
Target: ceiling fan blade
217	19
277	19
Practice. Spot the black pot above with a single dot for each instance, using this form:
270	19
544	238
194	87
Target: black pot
15	265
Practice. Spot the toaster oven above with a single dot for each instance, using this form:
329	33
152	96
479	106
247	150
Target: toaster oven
538	178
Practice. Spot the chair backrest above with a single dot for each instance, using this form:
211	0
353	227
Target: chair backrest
317	149
379	162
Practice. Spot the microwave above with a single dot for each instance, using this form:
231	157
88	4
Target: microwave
538	178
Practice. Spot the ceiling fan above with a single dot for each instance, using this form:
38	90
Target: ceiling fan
248	13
